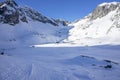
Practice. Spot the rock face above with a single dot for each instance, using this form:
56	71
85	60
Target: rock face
11	13
63	22
103	9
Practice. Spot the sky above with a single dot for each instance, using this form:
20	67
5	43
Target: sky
70	10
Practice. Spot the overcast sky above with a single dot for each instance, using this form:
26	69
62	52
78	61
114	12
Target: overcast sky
66	9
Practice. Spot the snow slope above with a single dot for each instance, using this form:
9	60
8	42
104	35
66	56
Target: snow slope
29	34
100	27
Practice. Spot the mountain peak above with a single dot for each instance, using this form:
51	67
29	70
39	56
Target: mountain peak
103	9
109	3
102	26
11	13
9	2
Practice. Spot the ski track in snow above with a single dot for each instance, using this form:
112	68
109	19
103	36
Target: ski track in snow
60	63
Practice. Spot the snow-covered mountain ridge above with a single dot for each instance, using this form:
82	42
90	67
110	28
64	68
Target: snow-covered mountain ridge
25	26
102	26
11	13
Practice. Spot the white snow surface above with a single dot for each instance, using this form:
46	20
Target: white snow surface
3	5
31	33
60	63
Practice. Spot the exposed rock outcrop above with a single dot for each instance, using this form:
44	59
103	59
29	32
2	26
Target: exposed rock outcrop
11	13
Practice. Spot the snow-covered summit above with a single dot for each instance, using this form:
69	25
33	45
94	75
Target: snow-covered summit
109	3
104	8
